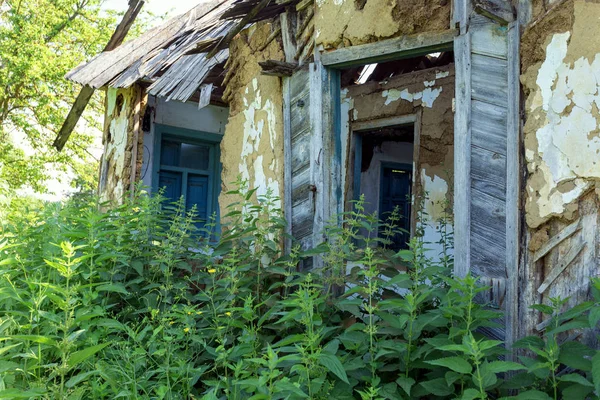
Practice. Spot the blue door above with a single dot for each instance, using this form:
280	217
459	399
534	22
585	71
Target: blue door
396	184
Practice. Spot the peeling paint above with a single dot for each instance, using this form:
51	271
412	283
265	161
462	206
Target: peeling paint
562	142
427	96
252	146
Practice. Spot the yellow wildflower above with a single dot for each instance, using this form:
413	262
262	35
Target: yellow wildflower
186	330
228	314
136	209
198	312
212	271
189	313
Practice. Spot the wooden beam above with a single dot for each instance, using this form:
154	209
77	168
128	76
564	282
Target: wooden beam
513	183
238	28
556	240
391	49
277	68
496	10
402	120
86	93
288	25
562	265
462	157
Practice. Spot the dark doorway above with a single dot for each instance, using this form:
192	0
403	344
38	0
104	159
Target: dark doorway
396	193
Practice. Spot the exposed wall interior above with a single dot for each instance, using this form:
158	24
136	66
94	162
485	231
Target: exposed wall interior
211	119
343	23
118	140
252	147
428	95
561	81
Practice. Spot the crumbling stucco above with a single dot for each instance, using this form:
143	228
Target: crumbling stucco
115	166
341	23
562	142
252	146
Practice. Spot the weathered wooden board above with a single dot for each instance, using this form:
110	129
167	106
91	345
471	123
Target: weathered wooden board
488	172
390	49
489	125
490	77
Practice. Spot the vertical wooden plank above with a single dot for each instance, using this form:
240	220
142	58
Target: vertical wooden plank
462	154
524	12
461	12
319	174
287	163
416	171
288	27
512	186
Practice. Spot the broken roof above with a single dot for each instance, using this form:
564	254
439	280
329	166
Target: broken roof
164	55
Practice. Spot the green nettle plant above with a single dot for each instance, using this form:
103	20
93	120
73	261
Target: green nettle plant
141	301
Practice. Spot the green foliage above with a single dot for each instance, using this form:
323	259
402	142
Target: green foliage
40	41
137	302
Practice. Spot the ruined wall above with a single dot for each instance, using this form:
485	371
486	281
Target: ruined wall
342	23
252	146
429	93
118	138
561	81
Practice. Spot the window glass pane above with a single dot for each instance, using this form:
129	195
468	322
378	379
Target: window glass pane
169	153
194	156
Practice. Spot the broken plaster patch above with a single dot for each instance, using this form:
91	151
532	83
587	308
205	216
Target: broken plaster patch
427	96
564	103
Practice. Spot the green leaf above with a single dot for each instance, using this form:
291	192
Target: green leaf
77	379
596	371
32	338
594	317
437	387
112	287
20	394
7	348
575	378
456	364
333	364
504	366
470	394
577	392
533	395
82	355
405	383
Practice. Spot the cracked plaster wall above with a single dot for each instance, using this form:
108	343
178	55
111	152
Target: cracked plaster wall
430	92
562	129
115	166
342	23
252	146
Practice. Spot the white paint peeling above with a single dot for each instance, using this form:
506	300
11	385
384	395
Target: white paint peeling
442	74
436	190
427	96
566	101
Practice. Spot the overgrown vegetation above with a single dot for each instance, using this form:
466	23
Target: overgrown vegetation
127	304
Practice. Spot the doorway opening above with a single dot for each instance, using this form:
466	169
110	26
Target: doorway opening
384	159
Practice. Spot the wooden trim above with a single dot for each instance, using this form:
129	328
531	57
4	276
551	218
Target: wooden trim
390	49
287	164
557	239
462	157
384	122
512	186
561	266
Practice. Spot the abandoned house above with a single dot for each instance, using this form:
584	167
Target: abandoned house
481	114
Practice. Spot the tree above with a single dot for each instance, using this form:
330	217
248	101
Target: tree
40	41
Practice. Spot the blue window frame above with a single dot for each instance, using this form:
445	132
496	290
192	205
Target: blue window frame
187	163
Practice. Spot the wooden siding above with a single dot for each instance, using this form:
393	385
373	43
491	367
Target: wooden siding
299	158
